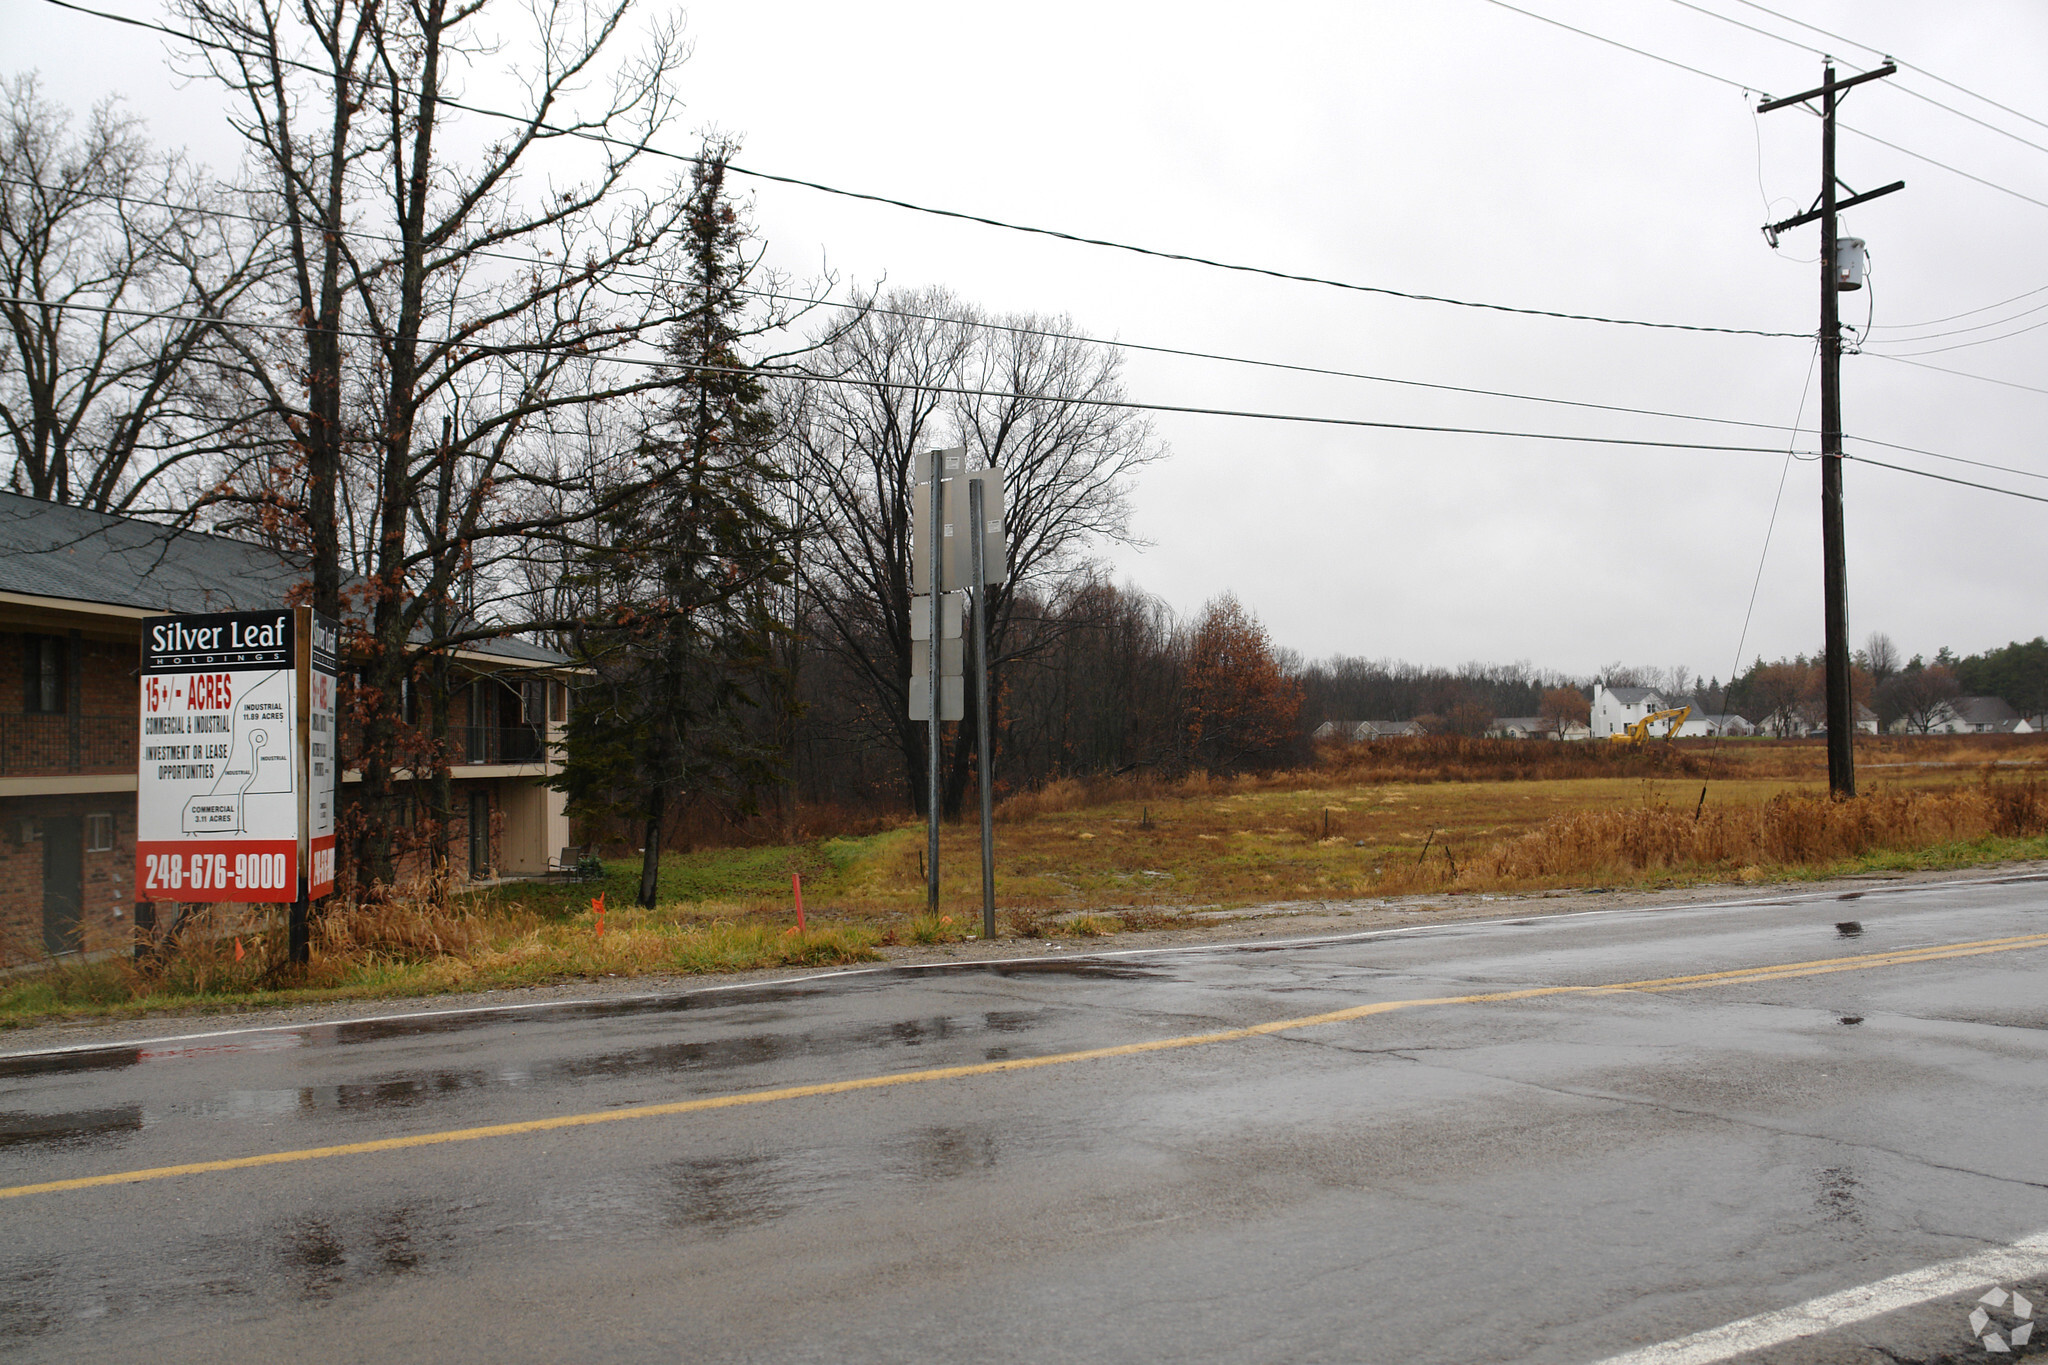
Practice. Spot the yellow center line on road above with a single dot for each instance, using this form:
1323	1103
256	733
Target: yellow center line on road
1735	977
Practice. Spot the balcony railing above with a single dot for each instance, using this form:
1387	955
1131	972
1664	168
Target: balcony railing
42	745
496	744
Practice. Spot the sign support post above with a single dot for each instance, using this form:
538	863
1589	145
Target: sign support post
977	553
937	690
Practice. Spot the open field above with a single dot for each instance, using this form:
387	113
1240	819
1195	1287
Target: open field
1438	818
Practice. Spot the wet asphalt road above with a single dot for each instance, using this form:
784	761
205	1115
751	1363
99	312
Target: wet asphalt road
1558	1178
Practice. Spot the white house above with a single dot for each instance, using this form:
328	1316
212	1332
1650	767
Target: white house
1617	708
1978	716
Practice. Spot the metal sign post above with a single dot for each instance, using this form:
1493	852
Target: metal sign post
976	555
935	552
942	565
317	680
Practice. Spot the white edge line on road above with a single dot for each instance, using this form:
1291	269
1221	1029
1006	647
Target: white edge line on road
2023	1259
1538	919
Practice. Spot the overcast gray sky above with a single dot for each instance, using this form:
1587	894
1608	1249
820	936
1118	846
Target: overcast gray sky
1449	147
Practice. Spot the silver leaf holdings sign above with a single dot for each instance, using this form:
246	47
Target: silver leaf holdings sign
235	789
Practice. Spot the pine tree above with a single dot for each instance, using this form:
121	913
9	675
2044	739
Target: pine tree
680	647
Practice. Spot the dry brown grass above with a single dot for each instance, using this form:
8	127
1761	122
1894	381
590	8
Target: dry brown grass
1792	829
1454	758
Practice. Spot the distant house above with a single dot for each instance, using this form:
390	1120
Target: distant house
1617	708
1364	731
1979	716
1801	728
1537	727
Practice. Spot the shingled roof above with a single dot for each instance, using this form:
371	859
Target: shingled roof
51	550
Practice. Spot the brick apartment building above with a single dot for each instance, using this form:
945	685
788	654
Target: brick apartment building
74	587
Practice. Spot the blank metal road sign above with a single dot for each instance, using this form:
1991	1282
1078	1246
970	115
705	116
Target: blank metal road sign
952	699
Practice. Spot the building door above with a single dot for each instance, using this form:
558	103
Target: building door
479	834
63	881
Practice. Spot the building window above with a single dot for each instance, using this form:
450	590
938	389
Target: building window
99	833
558	702
44	672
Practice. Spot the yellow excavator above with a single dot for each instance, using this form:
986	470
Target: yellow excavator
1640	731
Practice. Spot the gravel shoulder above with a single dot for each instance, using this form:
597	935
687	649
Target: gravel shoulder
1277	920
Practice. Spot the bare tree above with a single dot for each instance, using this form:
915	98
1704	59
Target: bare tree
1781	694
926	371
1880	656
114	281
1920	697
1618	674
455	324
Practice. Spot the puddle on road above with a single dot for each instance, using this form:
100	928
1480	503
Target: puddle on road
384	1030
314	1257
318	1258
406	1089
82	1126
59	1063
1082	967
1849	928
730	1192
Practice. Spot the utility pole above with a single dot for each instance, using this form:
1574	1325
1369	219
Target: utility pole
1834	549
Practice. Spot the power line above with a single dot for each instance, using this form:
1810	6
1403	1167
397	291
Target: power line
1311	419
1954	332
1762	32
1929	474
1960	374
1901	89
1265	271
1952	459
1771	527
1009	328
1970	312
1943	165
1748	88
1014	329
984	220
1880	52
1743	86
806	376
1964	345
1055	335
